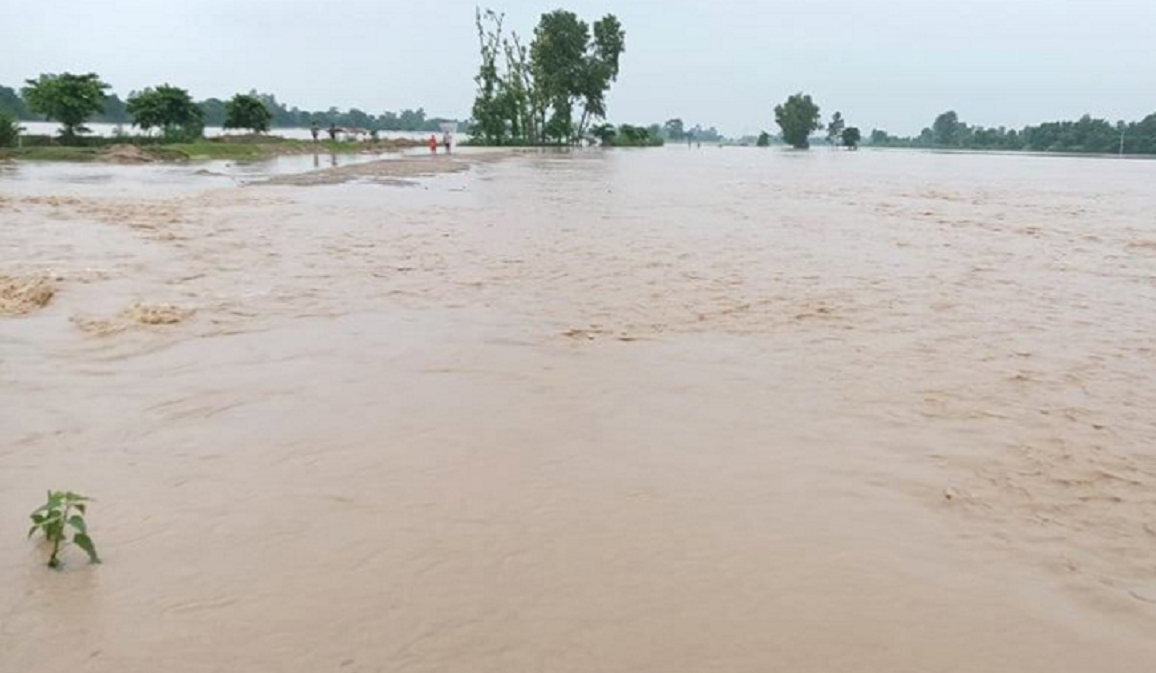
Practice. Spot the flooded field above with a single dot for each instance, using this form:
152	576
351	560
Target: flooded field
670	410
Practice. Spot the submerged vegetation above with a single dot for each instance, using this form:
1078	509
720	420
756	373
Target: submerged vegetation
64	510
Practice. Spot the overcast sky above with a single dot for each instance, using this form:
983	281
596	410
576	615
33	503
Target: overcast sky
891	64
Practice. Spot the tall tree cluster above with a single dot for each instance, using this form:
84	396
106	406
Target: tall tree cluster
551	90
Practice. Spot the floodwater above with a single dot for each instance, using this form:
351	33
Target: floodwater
109	130
667	410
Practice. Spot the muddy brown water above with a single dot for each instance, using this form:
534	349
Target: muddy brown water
673	410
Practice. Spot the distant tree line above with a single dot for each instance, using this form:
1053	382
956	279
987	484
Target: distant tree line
1085	135
103	107
674	130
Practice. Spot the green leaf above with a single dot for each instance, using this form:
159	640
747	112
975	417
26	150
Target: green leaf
85	543
32	530
81	508
54	530
77	522
37	518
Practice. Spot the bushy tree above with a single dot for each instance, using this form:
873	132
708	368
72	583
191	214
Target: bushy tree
557	55
168	108
9	129
605	133
797	118
247	112
67	98
674	129
851	137
945	132
764	139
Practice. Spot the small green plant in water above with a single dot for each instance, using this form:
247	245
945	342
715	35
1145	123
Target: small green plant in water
64	510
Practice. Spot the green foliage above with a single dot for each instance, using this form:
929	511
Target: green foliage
674	130
247	112
64	510
1085	135
558	56
764	139
67	98
115	111
851	137
633	136
531	95
947	131
12	103
605	133
9	129
835	128
170	109
797	118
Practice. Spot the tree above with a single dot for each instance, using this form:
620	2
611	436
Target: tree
12	103
570	70
851	138
554	89
247	112
638	136
168	108
601	68
605	133
835	128
764	139
558	55
489	118
9	129
797	118
945	131
214	111
67	98
879	137
674	130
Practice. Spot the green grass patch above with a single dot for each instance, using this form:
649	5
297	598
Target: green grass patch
51	153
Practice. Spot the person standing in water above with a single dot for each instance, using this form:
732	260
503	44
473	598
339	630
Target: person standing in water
446	141
315	129
433	144
332	131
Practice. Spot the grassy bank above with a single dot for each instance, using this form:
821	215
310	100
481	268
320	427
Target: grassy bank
231	148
